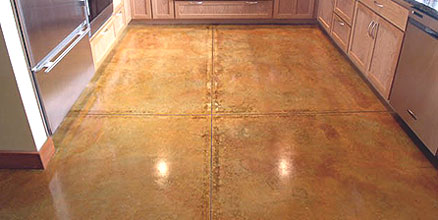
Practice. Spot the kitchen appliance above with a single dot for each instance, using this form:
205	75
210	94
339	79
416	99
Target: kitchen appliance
415	90
99	12
56	37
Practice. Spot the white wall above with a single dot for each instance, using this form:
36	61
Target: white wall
24	83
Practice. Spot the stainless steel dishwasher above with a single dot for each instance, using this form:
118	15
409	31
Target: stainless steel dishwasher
415	90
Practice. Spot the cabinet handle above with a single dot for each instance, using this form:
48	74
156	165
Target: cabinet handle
412	114
378	4
251	3
105	31
196	3
369	28
341	23
374	30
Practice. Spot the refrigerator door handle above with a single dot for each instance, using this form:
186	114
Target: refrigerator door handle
49	65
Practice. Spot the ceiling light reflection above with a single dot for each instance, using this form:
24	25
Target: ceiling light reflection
162	168
284	167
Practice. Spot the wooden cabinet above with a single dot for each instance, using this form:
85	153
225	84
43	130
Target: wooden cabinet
119	22
163	9
390	10
141	9
340	32
223	9
104	40
362	40
101	42
383	63
345	10
289	9
375	48
325	13
127	9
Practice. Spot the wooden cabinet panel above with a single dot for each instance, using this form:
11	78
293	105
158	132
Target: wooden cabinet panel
385	56
345	9
102	42
141	9
223	9
299	9
325	13
127	8
362	42
340	32
163	9
393	12
119	22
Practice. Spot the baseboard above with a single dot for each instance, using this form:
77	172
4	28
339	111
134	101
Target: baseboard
221	21
28	160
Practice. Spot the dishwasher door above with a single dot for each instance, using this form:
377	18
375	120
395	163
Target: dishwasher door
415	90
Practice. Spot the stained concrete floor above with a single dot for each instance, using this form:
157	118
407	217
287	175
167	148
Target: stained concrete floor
227	122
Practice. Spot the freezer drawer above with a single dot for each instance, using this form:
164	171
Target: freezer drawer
59	88
415	90
46	23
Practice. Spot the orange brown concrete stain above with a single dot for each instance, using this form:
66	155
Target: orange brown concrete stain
262	69
232	122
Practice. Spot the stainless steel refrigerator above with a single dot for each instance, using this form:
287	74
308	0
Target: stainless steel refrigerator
56	37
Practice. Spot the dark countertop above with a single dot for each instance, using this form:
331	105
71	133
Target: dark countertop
429	7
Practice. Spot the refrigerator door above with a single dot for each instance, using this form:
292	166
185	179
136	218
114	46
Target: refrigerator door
46	23
61	81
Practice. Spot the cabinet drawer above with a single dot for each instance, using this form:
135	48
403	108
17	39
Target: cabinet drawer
345	9
340	32
119	22
102	41
393	12
223	9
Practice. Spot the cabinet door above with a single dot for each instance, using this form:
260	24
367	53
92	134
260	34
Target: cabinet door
301	9
385	56
345	9
362	41
141	9
325	13
163	9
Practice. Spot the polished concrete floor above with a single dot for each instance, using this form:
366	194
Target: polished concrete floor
227	122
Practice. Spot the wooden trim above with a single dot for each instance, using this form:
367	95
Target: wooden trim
46	152
28	160
223	21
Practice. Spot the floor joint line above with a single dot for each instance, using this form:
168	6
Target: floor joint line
211	123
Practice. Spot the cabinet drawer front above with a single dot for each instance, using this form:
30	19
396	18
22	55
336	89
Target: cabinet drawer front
119	22
101	43
223	9
393	12
340	32
345	9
